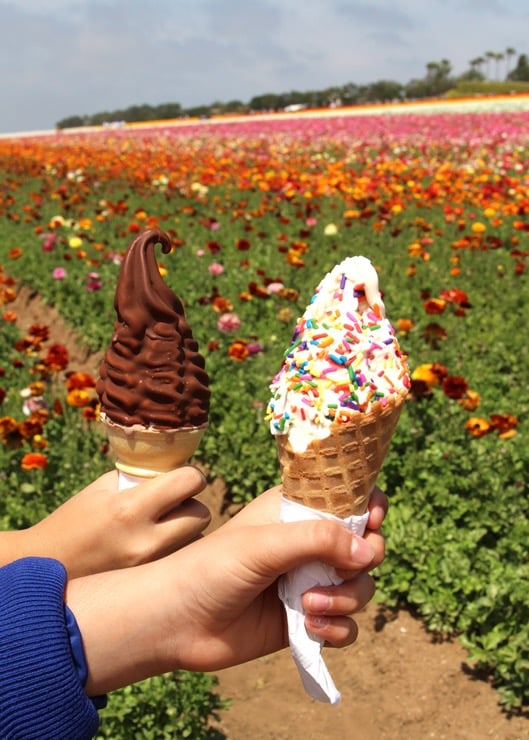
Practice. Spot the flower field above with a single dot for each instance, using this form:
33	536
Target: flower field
258	209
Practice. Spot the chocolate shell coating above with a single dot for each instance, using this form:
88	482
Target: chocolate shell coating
152	374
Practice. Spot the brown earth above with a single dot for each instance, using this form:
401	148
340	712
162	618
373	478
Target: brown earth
396	681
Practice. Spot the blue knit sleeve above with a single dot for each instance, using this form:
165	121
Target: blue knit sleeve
41	694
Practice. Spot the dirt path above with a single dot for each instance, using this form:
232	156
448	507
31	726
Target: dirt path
396	683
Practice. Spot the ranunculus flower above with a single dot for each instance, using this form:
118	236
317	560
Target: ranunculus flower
79	380
34	461
215	269
254	348
455	386
404	325
477	427
470	400
238	350
274	287
48	241
228	322
434	306
59	273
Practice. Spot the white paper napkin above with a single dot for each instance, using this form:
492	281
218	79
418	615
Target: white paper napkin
126	481
305	648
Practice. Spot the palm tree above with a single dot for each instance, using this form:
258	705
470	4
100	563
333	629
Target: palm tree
509	52
499	56
489	56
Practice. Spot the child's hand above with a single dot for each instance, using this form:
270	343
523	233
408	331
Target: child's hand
101	528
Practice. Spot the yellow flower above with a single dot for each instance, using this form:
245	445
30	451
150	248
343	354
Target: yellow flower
478	227
330	230
75	242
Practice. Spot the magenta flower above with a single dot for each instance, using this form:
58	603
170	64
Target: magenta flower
93	282
228	322
254	348
59	273
48	242
216	269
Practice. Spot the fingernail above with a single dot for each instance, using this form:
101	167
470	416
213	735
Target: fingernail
318	622
319	602
362	551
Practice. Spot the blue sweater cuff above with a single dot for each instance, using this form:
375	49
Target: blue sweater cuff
41	692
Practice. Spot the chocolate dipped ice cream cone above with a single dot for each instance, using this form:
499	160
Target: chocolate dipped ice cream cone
153	386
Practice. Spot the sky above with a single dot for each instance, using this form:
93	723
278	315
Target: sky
60	58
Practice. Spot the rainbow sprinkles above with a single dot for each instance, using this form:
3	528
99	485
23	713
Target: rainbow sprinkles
344	356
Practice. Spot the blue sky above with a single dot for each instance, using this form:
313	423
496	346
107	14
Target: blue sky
74	57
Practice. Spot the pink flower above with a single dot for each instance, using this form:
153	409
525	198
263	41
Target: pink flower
216	268
48	242
59	273
200	253
311	221
93	282
274	287
228	322
254	348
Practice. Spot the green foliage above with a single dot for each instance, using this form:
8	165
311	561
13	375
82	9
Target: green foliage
457	525
169	707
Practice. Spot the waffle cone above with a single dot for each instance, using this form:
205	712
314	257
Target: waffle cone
146	453
338	474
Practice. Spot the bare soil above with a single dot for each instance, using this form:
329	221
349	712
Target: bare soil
396	681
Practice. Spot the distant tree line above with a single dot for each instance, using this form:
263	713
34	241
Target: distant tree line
491	72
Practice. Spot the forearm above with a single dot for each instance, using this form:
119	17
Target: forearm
14	545
120	616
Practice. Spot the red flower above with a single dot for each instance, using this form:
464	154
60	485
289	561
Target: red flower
243	245
57	358
434	305
79	380
34	461
453	295
454	386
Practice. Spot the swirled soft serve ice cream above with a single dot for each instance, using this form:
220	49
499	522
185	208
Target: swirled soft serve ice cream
153	386
338	395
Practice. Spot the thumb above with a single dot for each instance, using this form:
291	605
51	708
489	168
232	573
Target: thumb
270	550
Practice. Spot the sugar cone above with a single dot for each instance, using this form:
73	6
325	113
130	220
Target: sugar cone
146	453
338	474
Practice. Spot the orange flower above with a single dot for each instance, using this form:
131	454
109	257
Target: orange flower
34	461
39	442
78	380
477	427
505	424
239	350
222	305
404	325
430	373
78	397
10	317
434	305
15	253
470	400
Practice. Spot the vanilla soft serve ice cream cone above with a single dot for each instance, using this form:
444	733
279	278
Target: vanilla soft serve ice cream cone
335	404
153	387
338	396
